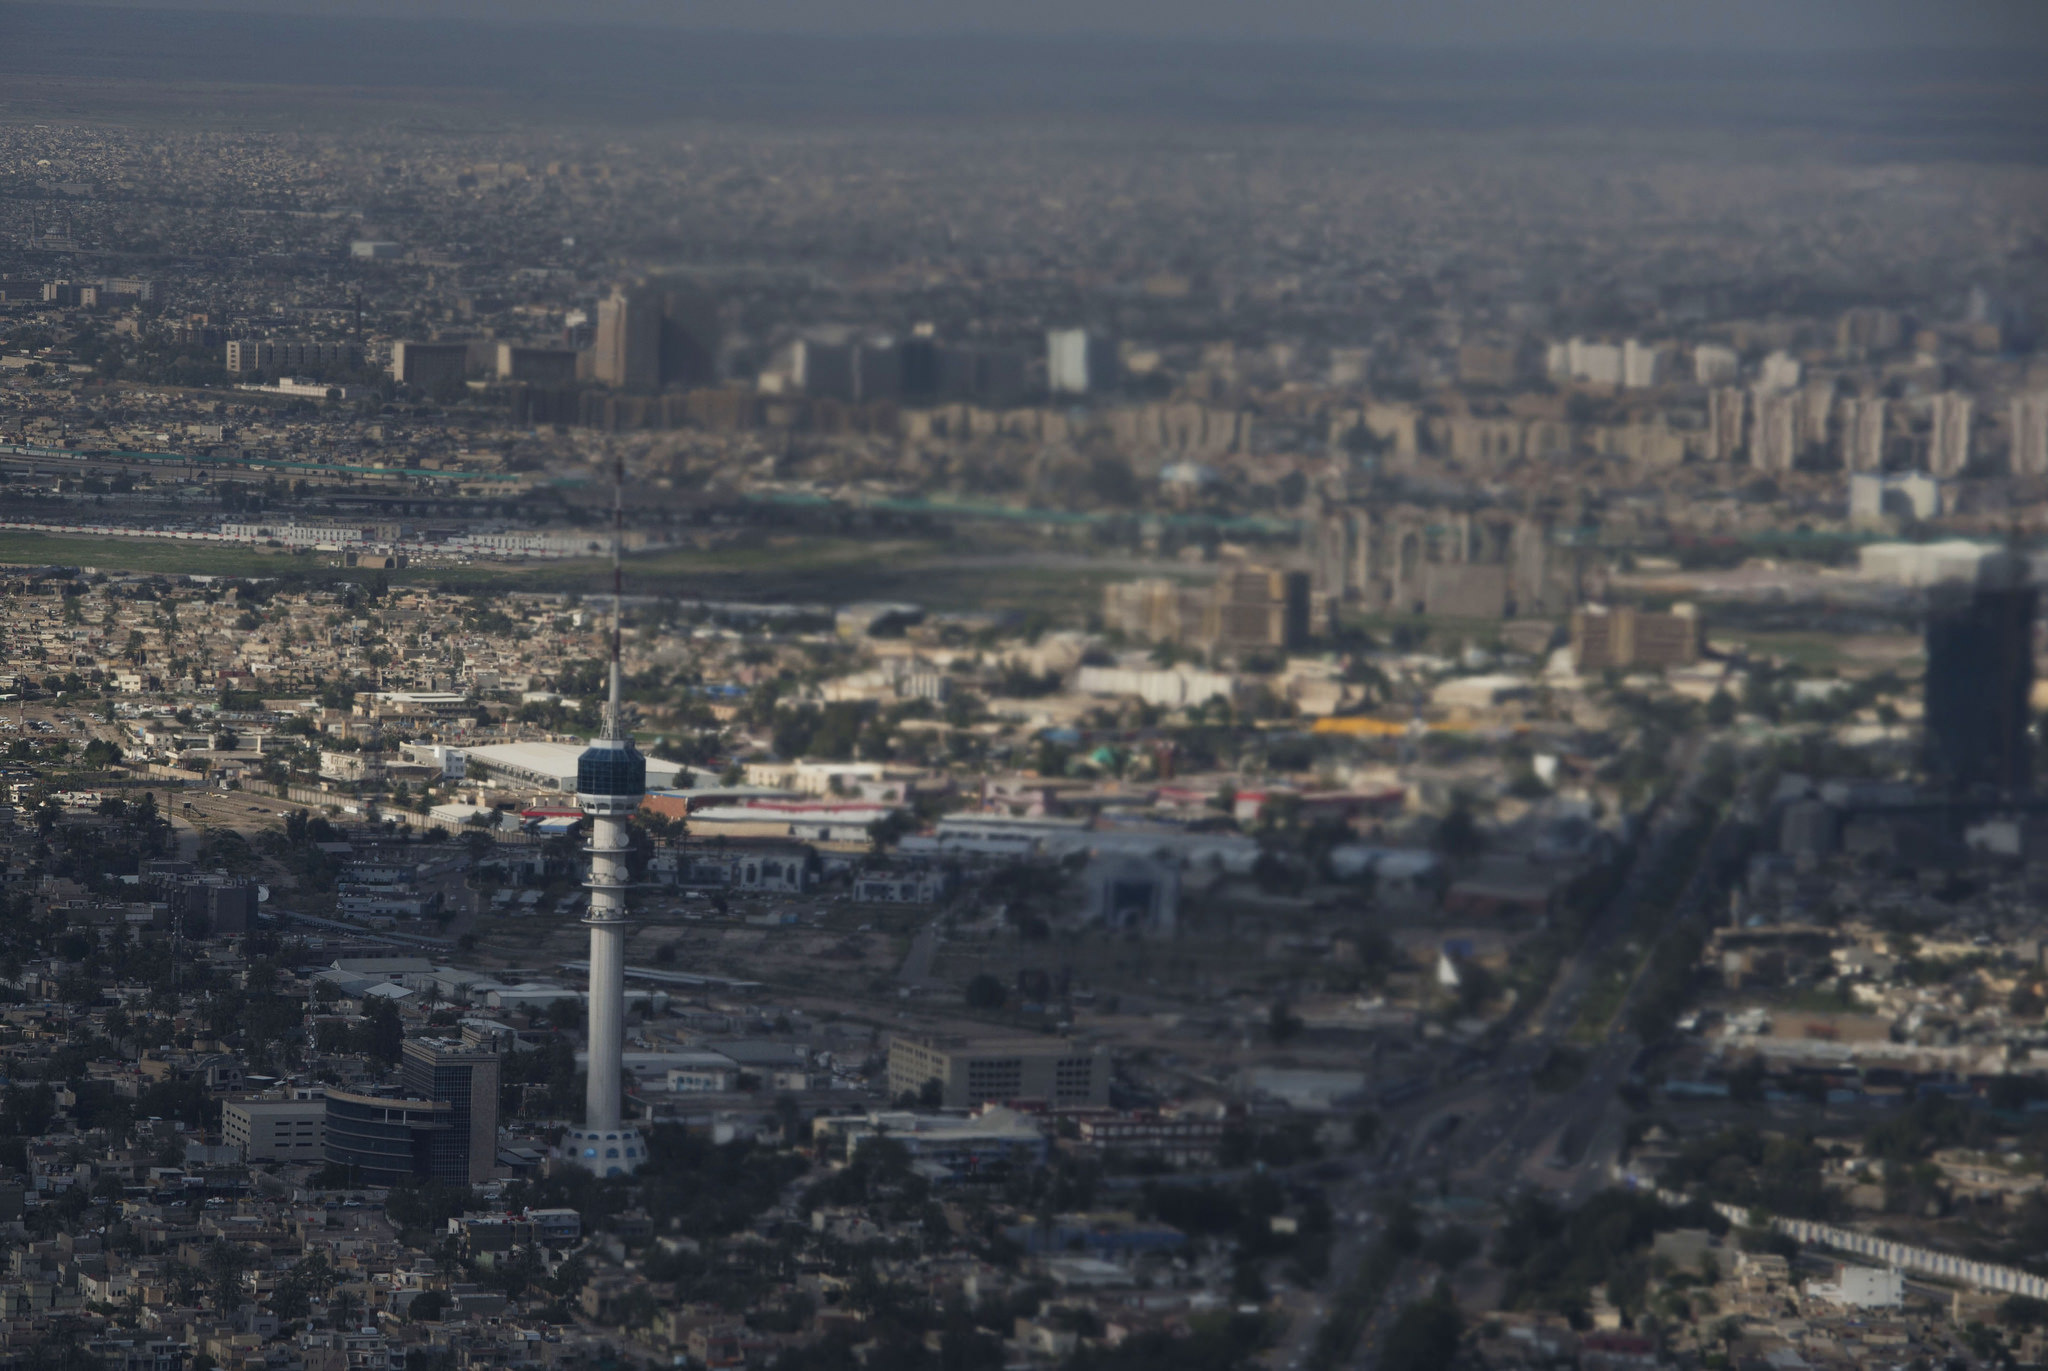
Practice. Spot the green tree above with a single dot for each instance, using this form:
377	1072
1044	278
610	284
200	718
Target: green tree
382	1033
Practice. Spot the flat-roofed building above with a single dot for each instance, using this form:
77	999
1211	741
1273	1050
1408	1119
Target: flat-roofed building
976	1071
1622	637
429	366
540	366
466	1080
385	1140
276	1130
1182	1139
552	766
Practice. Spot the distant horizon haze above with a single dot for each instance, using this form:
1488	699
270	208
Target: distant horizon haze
1782	26
1973	85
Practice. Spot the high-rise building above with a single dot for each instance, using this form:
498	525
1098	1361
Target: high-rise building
1077	361
1948	437
1773	429
853	371
466	1080
2030	434
690	333
1599	364
1714	365
1780	371
389	1140
429	367
1863	434
919	367
611	780
627	345
1727	409
536	365
1639	365
1816	413
1980	678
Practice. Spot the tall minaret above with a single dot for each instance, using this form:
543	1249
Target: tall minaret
611	778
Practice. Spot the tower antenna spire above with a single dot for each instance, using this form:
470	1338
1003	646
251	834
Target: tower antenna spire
614	717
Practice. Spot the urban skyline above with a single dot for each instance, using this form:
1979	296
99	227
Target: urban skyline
1087	688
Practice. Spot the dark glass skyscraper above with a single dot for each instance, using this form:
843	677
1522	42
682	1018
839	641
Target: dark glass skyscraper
1980	679
465	1079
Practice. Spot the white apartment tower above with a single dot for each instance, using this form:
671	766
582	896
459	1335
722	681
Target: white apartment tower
2030	434
627	347
1773	430
1863	434
1948	439
1639	365
1816	412
1780	371
1727	407
1071	361
1714	365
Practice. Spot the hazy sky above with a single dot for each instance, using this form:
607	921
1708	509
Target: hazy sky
1736	24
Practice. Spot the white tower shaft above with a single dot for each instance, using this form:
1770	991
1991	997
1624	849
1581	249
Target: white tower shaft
607	972
611	778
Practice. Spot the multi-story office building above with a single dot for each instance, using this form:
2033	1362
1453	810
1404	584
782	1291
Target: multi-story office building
466	1080
1863	434
535	365
1076	361
1640	365
386	1140
627	346
1948	435
1621	637
1597	364
1152	610
1780	371
852	371
442	1128
429	367
1980	679
656	334
2030	434
1773	429
288	356
1816	413
281	1131
1714	365
1253	608
970	1072
1247	609
1727	408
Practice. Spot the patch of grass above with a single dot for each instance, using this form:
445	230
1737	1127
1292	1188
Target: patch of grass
1814	651
1602	999
166	555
